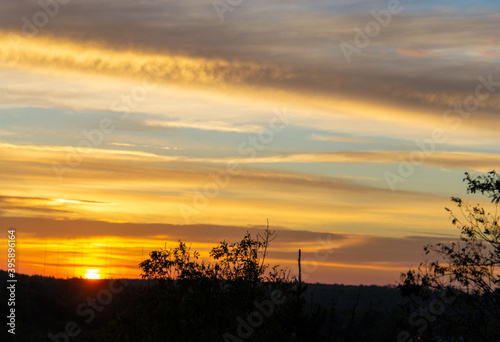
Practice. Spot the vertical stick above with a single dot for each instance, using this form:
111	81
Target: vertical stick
106	260
110	270
57	266
81	261
74	256
44	258
300	271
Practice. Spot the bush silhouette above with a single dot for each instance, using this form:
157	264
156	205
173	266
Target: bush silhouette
234	297
464	272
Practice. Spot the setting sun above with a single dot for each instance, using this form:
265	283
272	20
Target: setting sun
92	274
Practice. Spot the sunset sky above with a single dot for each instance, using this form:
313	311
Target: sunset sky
128	124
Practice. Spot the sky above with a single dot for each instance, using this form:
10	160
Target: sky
127	125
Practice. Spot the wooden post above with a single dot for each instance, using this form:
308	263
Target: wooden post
300	271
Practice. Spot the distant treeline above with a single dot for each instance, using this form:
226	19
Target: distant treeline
49	309
136	310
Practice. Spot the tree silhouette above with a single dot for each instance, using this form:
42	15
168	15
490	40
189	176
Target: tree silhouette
468	267
238	261
192	299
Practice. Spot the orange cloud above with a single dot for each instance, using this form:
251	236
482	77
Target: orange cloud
415	52
67	248
477	161
66	56
490	53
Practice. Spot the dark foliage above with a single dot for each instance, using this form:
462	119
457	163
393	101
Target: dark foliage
459	287
236	297
143	312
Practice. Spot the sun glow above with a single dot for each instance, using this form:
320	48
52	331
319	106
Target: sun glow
92	274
